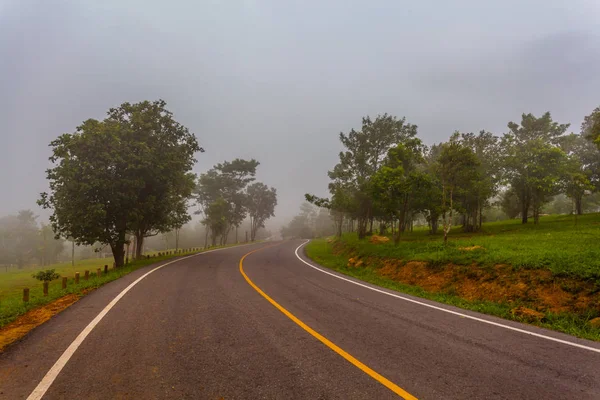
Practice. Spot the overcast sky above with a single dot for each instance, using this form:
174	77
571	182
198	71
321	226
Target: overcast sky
278	80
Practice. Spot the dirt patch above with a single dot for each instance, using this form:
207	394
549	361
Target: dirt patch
537	290
25	323
471	248
355	262
527	314
379	239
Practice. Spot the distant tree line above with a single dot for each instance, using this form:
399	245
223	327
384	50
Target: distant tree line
310	222
119	181
23	241
386	174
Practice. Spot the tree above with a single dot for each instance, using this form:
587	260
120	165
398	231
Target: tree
49	247
486	148
396	183
225	182
582	168
533	161
216	214
341	205
101	184
457	168
165	151
261	202
364	153
509	202
590	128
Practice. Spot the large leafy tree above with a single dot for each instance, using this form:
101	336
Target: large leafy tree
261	201
165	151
533	162
102	181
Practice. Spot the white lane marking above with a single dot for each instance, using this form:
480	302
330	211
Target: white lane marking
581	346
51	375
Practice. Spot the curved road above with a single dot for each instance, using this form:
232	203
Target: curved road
198	329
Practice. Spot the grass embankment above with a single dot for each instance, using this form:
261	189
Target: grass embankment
547	275
12	284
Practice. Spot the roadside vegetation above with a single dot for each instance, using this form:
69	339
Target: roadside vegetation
467	221
120	189
11	288
531	293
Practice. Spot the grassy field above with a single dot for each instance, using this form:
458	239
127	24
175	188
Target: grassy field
560	244
12	283
548	274
15	280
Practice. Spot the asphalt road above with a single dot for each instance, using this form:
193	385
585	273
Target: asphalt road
197	329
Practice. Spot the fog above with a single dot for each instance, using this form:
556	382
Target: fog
278	80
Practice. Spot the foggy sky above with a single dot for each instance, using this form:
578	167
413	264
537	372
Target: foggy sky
278	80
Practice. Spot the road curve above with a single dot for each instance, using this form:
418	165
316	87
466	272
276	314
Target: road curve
196	329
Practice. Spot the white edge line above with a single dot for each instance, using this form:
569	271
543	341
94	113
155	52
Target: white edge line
581	346
51	375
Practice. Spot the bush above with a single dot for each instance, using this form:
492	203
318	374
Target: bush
46	276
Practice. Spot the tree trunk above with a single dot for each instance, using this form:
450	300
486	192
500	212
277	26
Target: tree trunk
524	209
448	224
362	227
139	245
206	237
434	225
176	240
398	233
403	212
213	237
480	216
579	204
118	250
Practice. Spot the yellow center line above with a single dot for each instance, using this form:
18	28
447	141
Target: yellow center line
379	378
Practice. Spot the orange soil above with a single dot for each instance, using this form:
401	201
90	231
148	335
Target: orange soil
25	323
537	289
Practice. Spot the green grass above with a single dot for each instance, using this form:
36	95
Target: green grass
557	243
12	283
